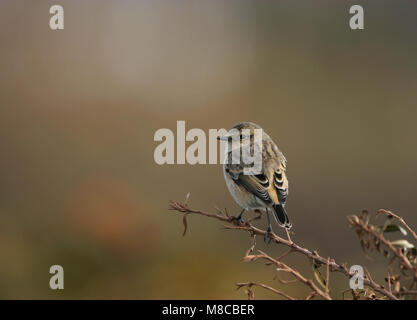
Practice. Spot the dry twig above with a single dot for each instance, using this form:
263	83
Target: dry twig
371	238
331	265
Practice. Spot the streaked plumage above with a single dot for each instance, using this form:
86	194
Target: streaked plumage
267	190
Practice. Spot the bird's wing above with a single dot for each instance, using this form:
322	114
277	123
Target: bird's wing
271	186
259	185
280	183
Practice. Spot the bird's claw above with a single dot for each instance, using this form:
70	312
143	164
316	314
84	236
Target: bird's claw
239	220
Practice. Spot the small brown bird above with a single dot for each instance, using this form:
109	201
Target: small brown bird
265	191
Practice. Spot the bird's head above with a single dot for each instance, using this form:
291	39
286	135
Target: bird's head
240	131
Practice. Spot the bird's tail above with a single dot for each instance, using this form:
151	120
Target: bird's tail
281	216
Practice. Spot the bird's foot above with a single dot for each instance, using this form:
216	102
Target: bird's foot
267	237
239	220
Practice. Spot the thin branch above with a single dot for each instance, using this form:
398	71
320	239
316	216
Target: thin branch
284	267
364	226
287	281
249	285
334	267
389	283
401	220
327	275
286	253
311	295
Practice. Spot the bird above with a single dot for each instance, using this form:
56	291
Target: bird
265	190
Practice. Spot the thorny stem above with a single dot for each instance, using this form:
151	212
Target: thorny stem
364	226
312	254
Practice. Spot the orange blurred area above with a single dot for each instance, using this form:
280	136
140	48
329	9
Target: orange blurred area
108	213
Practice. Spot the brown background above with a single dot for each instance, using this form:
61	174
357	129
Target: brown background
79	108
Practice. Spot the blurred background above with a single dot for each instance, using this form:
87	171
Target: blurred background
79	108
